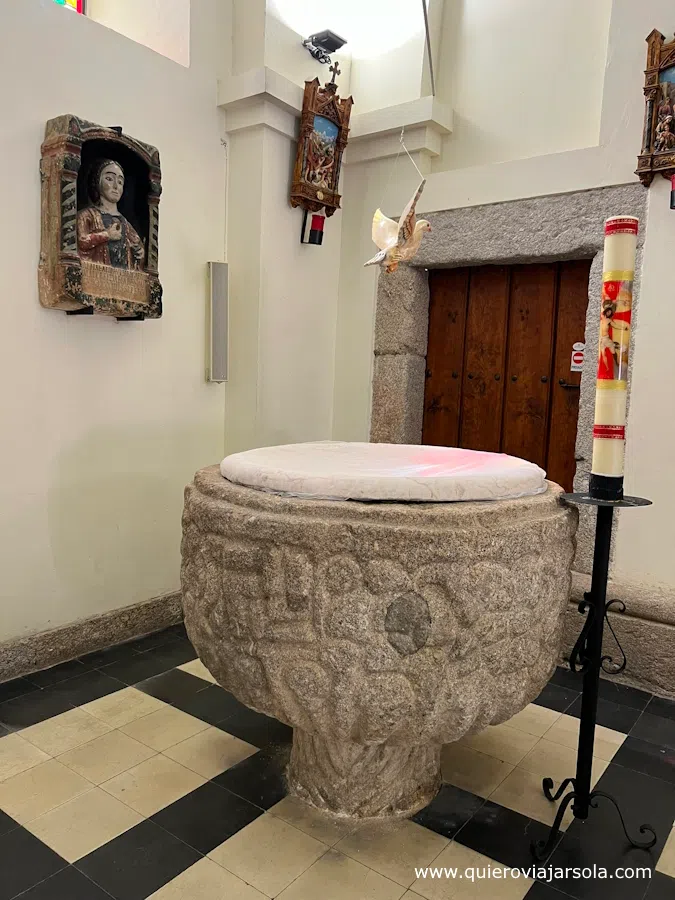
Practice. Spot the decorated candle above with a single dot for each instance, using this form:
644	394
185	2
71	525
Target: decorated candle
613	346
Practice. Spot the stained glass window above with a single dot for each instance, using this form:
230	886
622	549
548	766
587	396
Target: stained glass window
75	5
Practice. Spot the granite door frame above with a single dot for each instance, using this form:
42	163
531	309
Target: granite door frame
539	229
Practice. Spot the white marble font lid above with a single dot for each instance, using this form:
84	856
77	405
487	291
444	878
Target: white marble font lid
337	470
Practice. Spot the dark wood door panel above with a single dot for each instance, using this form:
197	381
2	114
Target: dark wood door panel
484	357
445	356
498	362
565	385
529	362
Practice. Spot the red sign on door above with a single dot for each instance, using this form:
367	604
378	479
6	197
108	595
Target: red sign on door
577	363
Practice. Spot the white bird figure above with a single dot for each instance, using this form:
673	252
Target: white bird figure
398	242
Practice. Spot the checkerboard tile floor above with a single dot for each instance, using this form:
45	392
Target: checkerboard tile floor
131	774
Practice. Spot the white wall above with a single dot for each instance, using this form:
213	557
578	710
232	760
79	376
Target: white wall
283	294
524	78
392	77
298	311
608	139
248	35
162	25
283	302
103	422
285	54
644	540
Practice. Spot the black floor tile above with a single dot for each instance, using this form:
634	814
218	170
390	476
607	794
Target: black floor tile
610	714
137	863
656	729
153	641
137	668
174	687
257	728
179	630
207	817
3	731
659	706
558	698
450	809
217	706
85	688
48	677
24	862
662	887
260	779
99	659
541	891
623	694
19	687
600	839
564	677
68	884
502	835
7	823
180	649
642	800
145	665
577	854
31	709
648	758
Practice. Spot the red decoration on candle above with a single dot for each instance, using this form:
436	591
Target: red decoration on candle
620	225
609	431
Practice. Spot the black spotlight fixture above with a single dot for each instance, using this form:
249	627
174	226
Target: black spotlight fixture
322	44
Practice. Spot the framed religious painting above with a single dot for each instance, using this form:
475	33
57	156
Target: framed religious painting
324	130
658	141
100	222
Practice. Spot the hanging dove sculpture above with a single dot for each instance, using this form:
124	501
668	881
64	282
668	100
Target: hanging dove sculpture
398	242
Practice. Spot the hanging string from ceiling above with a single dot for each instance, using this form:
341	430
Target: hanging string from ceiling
398	242
428	36
433	94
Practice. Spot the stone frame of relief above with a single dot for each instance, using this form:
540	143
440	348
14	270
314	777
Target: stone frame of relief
67	279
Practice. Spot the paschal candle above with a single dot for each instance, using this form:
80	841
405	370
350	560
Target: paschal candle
612	383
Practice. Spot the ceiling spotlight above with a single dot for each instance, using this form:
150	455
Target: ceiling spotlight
322	44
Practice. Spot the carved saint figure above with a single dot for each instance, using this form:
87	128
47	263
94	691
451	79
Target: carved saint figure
665	108
665	139
103	234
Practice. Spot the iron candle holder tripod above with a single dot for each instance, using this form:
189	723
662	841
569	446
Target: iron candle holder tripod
587	658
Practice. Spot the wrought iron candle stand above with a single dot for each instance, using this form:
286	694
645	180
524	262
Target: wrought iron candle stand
587	658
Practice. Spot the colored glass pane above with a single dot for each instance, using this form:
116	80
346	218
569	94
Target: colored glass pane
76	5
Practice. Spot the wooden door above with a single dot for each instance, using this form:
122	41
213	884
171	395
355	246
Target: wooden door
499	357
484	353
528	366
447	319
565	384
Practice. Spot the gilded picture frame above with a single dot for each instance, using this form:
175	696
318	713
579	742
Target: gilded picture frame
658	139
324	131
